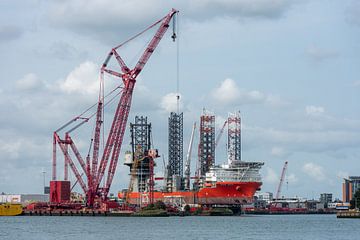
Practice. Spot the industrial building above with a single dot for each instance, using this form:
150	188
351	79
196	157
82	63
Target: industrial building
326	197
23	198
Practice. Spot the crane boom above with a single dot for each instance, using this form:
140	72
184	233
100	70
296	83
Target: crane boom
281	180
220	134
188	159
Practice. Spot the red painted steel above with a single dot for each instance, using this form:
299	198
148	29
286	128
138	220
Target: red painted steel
93	168
221	193
59	191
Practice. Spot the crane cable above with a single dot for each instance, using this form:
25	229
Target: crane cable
176	35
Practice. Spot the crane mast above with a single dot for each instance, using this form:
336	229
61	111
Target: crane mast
96	167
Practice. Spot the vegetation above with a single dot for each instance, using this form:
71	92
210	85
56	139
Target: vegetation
187	209
151	210
355	202
221	212
198	211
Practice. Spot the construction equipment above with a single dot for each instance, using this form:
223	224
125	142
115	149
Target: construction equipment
96	167
188	159
220	134
277	196
273	205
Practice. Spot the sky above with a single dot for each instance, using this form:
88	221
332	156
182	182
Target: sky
290	67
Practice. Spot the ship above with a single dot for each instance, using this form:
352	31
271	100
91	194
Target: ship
10	209
233	184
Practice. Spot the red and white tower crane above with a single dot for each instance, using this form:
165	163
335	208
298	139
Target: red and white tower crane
96	164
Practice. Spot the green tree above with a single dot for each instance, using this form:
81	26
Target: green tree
357	199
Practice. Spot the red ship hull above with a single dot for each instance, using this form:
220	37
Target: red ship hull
221	193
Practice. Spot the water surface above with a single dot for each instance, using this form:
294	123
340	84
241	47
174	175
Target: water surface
267	227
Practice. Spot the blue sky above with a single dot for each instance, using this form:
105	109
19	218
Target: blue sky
290	67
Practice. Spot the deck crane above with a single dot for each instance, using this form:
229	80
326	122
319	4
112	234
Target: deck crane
96	165
220	134
281	180
273	205
188	159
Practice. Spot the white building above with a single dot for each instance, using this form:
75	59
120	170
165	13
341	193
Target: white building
23	198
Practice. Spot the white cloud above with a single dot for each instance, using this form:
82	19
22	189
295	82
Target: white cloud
84	79
314	110
271	176
357	83
227	92
29	82
315	171
169	102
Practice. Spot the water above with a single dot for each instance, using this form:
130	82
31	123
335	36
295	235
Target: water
244	227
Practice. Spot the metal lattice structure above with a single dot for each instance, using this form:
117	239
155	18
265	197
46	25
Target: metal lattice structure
99	167
207	142
234	137
141	143
175	144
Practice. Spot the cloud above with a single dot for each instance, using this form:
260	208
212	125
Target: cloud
169	102
65	51
10	33
353	13
357	83
29	82
228	93
84	79
324	139
319	54
291	178
278	152
314	171
271	176
243	8
314	111
108	17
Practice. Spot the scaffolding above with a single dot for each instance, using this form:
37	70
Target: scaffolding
140	144
175	145
234	138
207	142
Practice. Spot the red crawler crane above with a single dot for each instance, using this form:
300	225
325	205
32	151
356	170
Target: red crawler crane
93	168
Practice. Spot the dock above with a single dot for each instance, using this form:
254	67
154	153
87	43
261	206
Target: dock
348	214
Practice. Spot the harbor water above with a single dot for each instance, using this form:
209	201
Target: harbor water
237	227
